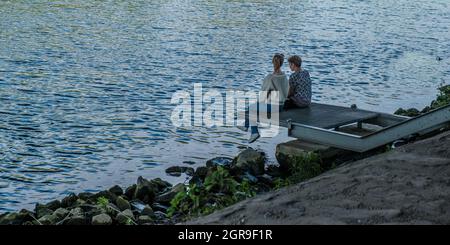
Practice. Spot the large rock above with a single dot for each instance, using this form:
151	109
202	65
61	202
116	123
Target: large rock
122	204
177	171
75	220
48	219
129	192
53	205
287	152
145	191
69	201
148	211
106	194
116	190
250	160
412	112
144	219
75	217
112	209
199	175
76	212
125	217
160	215
16	218
174	171
137	205
160	184
159	207
166	197
92	210
85	196
61	213
42	210
101	219
219	161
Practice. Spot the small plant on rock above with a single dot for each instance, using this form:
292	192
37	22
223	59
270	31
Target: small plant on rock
219	190
305	167
103	202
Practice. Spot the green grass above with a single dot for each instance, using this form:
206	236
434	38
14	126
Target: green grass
219	190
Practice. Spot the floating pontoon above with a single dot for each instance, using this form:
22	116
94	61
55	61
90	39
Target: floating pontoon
342	127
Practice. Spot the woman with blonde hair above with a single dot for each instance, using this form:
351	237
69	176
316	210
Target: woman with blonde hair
275	81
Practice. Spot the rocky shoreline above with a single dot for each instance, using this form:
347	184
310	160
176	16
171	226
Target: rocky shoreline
221	183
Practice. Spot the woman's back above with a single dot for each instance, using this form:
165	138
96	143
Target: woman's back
277	82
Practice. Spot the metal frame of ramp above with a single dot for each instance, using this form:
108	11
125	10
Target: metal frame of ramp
392	127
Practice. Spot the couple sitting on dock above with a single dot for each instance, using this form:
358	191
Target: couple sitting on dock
295	93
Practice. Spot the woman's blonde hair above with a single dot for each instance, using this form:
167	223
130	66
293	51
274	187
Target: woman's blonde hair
277	61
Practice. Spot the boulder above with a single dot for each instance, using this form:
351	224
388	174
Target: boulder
248	177
116	190
88	207
166	197
148	211
122	204
174	171
75	220
101	219
412	112
137	205
125	217
288	151
85	196
144	219
129	192
219	161
106	194
75	217
177	171
42	210
199	175
92	210
48	219
250	160
79	202
69	200
76	212
53	205
160	215
266	180
160	184
188	171
61	213
14	218
145	191
273	171
159	207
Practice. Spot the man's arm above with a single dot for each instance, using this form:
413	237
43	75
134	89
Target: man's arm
291	88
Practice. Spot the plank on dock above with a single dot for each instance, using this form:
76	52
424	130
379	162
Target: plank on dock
325	116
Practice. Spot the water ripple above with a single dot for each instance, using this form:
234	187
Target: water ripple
85	86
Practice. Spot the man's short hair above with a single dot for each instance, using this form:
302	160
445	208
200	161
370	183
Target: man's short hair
296	60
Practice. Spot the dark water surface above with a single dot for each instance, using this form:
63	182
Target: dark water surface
85	86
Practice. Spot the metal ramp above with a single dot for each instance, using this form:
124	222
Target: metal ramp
325	124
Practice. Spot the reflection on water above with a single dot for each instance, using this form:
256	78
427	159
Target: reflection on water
85	86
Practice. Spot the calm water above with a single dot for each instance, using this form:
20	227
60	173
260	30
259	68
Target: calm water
85	86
